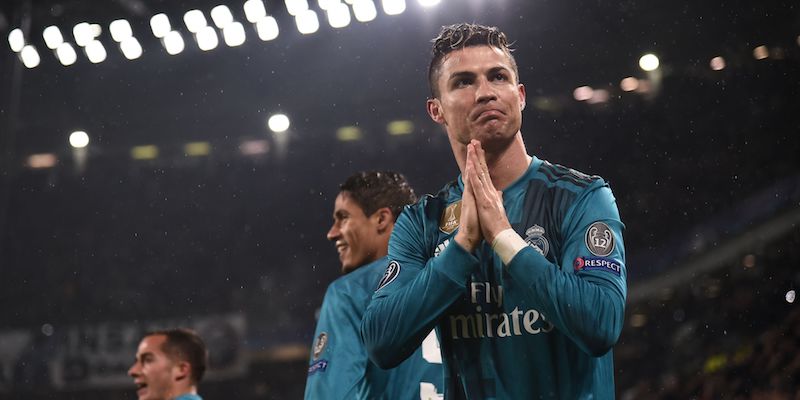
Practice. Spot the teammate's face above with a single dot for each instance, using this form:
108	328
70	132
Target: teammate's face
354	233
153	372
480	97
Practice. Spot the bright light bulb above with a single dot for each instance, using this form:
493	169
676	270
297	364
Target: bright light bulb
160	25
307	22
649	62
278	123
52	37
30	57
339	15
221	15
393	7
131	48
173	42
267	28
79	139
120	30
234	34
254	10
16	40
364	10
66	54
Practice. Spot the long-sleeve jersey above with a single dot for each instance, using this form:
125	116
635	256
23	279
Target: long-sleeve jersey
541	327
339	367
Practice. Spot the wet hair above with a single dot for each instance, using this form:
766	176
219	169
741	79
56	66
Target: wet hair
186	345
373	190
459	36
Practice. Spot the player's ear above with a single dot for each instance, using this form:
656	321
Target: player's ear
182	370
383	219
434	107
521	92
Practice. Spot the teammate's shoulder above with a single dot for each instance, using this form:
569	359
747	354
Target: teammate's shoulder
556	174
362	279
447	194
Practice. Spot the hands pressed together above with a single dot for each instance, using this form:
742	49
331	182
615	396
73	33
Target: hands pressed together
482	213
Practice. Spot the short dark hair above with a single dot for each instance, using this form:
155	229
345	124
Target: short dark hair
457	37
373	190
186	345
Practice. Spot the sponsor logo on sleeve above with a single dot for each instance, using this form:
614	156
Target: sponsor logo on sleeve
391	273
451	218
534	236
599	239
597	263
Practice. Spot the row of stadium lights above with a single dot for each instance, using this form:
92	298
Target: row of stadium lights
650	63
278	123
233	32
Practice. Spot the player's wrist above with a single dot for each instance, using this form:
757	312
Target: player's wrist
507	244
467	243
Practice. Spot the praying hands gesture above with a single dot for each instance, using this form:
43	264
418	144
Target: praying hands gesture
482	213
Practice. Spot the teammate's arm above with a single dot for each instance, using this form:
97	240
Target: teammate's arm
337	364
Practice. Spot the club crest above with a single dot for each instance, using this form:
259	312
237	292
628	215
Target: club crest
451	218
599	239
534	236
319	345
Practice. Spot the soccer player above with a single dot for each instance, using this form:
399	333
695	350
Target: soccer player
363	217
519	263
169	365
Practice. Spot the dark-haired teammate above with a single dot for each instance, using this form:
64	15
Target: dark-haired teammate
526	287
363	217
169	365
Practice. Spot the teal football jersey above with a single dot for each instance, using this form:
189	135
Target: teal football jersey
541	327
339	367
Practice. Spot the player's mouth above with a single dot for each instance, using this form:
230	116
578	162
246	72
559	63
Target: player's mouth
341	247
485	114
141	389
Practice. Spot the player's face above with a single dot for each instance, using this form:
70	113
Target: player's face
480	97
354	233
153	372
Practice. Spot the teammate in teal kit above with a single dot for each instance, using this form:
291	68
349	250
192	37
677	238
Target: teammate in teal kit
364	214
519	263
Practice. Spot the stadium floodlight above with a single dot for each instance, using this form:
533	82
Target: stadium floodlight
254	10
120	30
267	28
83	34
761	52
30	57
131	48
629	84
207	38
52	37
649	62
160	25
278	123
295	7
364	10
338	15
44	160
95	52
717	63
583	93
66	54
234	34
393	7
327	4
221	15
78	139
348	133
16	40
194	20
429	3
307	22
173	43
